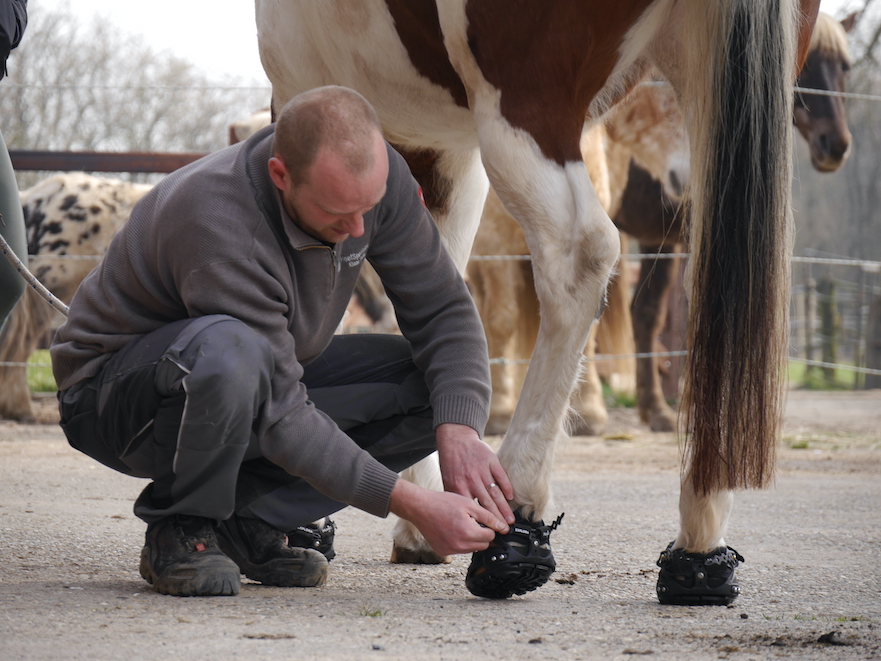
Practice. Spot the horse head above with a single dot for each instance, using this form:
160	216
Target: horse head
821	119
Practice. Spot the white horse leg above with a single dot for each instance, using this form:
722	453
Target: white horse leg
459	219
698	568
458	223
703	519
408	544
574	247
588	406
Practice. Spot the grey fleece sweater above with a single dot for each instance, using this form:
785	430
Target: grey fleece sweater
213	238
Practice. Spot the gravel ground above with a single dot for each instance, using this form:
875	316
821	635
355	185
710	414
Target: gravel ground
69	545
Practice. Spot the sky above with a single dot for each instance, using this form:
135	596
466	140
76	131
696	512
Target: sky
221	41
218	36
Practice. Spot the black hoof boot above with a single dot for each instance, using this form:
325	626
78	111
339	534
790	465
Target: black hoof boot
310	536
698	579
515	563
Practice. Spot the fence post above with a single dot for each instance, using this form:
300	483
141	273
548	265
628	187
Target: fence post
810	322
859	379
830	323
873	343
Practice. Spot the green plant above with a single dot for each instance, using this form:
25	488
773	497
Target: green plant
615	399
805	377
40	378
371	611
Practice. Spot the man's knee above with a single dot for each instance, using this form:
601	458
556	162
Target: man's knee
229	356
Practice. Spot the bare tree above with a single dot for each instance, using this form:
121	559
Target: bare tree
76	87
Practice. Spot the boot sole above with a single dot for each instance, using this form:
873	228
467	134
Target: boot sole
505	582
210	576
308	572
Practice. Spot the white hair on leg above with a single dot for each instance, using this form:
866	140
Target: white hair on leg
703	519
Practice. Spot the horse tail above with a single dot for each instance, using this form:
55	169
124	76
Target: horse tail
740	238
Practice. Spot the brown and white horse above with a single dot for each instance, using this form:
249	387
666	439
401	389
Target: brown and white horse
643	163
467	86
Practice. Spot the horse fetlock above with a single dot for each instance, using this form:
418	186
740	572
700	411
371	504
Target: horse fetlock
587	421
588	416
704	518
661	419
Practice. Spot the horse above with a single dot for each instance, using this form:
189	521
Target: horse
646	152
821	119
470	90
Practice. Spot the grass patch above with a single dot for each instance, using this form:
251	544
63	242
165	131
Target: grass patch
40	379
614	399
806	377
371	611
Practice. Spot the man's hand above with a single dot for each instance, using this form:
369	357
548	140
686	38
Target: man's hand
449	522
470	468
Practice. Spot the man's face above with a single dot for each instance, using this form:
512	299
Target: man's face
331	203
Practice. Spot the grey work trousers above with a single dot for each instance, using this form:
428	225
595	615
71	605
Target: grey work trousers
181	406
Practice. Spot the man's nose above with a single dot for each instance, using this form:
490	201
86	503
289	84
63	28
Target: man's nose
355	226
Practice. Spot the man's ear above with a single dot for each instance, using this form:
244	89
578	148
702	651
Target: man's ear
278	173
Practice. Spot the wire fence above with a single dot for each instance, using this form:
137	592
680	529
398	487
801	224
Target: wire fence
826	320
830	310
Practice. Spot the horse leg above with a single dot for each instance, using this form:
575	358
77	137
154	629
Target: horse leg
703	518
505	298
697	568
588	407
408	544
574	247
495	287
27	323
649	312
571	266
16	345
454	186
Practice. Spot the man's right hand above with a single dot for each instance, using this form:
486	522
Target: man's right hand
449	522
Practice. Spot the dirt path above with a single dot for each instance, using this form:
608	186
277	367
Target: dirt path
69	587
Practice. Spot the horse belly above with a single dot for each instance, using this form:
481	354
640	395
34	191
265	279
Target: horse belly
306	44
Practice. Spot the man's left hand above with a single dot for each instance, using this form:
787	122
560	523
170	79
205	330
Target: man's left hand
469	467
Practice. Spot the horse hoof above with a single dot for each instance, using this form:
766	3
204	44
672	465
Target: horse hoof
516	563
585	427
698	579
403	556
663	420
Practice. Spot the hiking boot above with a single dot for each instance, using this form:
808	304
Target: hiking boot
698	579
514	563
262	553
181	557
313	536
